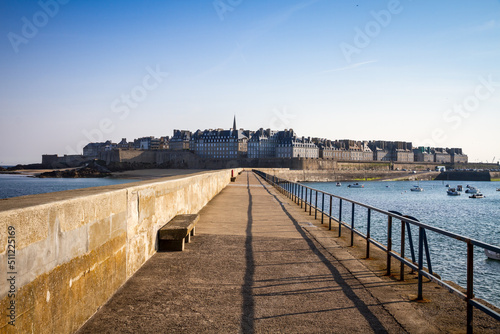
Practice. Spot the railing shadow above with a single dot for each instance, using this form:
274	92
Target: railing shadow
361	306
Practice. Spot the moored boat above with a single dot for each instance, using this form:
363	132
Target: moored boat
417	188
356	185
339	184
472	190
453	192
492	255
478	195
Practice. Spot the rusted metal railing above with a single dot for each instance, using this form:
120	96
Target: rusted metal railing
303	195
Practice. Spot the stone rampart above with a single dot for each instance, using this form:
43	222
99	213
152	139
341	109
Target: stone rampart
74	249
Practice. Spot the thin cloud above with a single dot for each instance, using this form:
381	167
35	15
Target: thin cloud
491	24
350	66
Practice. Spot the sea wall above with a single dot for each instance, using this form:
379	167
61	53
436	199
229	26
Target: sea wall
466	176
74	249
342	175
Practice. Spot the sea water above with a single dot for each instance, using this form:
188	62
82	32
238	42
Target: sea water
13	185
474	218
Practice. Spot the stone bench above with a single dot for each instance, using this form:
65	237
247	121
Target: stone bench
173	235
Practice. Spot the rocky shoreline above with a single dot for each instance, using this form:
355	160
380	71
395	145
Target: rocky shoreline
90	170
85	172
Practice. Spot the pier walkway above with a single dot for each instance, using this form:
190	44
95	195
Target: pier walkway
258	264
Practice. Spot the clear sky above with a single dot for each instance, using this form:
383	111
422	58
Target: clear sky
74	71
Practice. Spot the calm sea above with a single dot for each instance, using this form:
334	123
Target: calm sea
13	185
475	218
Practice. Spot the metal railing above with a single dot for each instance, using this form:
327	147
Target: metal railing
299	193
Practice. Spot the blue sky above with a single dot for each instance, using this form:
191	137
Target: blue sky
419	71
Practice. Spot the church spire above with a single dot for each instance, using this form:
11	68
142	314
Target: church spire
234	123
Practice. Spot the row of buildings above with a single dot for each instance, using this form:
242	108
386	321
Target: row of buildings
267	143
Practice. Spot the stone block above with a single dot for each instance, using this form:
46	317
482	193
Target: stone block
31	224
119	201
146	207
118	223
71	214
136	254
99	233
102	204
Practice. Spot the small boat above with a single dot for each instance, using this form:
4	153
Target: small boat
356	185
453	192
478	195
472	190
498	189
339	184
447	186
459	188
492	255
417	188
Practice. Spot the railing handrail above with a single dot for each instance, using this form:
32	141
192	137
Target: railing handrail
297	196
402	218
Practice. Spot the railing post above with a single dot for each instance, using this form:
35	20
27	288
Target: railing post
402	268
368	223
305	203
352	226
470	284
427	253
410	242
316	206
420	261
330	216
322	207
301	195
340	218
389	245
296	192
310	201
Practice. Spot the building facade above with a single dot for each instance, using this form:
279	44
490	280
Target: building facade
180	140
291	146
220	144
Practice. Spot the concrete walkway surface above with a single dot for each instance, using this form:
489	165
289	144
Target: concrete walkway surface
257	264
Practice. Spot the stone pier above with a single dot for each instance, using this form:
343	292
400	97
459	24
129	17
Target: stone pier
260	264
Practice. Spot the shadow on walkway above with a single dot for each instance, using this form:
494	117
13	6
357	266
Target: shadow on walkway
374	322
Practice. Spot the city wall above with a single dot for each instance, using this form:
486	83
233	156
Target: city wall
186	159
74	249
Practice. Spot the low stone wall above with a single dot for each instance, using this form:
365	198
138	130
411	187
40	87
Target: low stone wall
464	176
74	249
335	175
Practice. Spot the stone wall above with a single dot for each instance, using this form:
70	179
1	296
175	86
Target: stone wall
337	175
74	249
464	176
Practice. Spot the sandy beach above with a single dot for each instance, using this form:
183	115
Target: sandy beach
148	174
